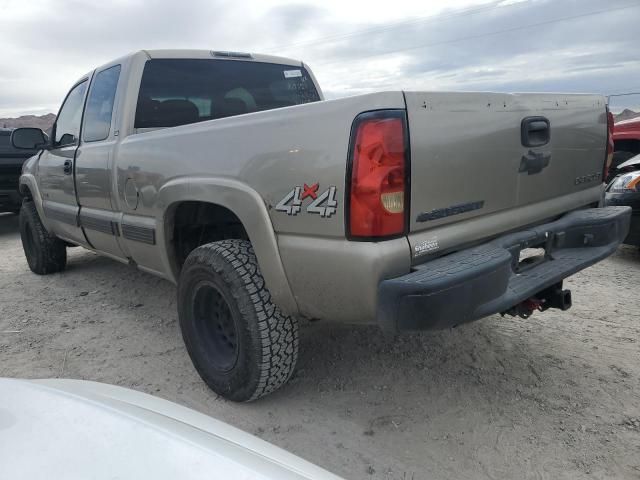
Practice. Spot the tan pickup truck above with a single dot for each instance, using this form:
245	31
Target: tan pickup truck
230	175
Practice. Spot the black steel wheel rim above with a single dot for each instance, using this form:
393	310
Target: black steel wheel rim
215	326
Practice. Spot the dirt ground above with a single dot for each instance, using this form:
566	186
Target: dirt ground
555	396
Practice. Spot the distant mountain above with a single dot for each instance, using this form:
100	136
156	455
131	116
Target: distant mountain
626	114
45	122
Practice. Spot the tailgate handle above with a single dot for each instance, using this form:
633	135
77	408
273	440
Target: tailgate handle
535	131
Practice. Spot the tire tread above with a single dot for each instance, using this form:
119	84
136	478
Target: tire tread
277	333
51	254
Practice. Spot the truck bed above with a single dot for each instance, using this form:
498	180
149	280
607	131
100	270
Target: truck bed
466	159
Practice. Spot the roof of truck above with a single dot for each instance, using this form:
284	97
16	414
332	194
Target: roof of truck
221	55
201	54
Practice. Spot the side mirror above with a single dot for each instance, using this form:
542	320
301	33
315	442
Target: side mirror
28	138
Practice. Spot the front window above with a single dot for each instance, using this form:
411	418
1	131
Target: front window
181	91
68	121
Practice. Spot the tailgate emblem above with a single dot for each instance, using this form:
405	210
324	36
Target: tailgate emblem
534	162
587	178
426	246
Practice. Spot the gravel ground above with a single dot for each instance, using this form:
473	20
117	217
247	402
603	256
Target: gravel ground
555	396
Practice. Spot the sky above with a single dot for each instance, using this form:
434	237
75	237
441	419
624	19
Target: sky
353	47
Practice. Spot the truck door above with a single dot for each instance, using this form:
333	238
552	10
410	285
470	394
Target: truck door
56	168
99	217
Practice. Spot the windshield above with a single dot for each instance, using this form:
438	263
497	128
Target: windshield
181	91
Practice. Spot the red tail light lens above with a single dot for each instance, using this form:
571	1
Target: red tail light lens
610	146
379	168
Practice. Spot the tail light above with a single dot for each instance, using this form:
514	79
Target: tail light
609	157
378	176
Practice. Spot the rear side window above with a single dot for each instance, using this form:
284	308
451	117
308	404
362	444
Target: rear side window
99	111
181	91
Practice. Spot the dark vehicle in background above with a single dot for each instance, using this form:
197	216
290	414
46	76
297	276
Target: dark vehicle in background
11	160
624	190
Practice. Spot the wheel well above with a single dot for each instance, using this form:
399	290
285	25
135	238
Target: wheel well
25	191
196	223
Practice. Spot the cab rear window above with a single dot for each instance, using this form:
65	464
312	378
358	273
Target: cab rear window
181	91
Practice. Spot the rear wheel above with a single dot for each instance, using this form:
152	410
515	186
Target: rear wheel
45	253
240	343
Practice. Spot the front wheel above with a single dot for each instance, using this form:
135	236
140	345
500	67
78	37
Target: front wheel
45	253
240	343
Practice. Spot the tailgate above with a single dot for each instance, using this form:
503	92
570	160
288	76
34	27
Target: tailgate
475	154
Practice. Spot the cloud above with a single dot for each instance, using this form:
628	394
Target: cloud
353	47
555	52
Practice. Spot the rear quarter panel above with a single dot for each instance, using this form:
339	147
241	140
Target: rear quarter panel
248	164
272	152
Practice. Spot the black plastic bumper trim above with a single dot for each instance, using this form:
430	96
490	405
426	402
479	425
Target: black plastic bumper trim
481	281
98	224
139	234
61	215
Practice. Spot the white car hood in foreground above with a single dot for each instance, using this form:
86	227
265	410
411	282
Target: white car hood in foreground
72	429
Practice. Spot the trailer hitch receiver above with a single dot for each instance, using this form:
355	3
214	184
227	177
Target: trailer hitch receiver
552	297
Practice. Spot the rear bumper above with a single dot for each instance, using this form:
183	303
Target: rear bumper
486	279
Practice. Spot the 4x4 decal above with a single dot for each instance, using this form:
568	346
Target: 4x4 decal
323	204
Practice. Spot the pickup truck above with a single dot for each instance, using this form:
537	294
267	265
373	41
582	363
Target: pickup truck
11	160
230	175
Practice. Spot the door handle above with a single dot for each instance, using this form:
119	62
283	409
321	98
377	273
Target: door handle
68	167
535	131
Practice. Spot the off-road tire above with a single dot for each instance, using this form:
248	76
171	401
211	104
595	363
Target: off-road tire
45	253
265	340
